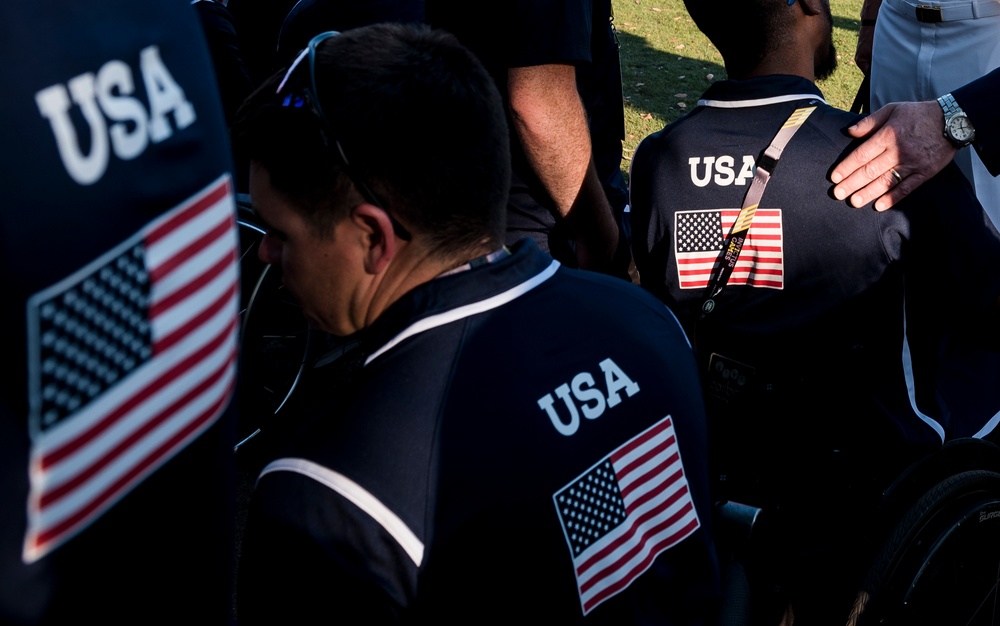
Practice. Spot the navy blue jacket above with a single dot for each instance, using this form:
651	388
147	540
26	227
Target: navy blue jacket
119	269
460	475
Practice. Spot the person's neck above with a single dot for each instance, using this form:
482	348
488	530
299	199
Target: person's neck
414	266
789	65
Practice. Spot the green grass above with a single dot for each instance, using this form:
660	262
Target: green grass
667	63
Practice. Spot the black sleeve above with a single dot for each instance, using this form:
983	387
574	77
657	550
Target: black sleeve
981	100
309	554
958	263
550	32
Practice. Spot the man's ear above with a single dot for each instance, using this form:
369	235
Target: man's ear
379	239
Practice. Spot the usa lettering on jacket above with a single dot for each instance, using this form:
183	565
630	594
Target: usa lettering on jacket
593	400
107	96
720	170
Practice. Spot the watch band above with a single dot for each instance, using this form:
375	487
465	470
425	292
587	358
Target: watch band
949	106
951	110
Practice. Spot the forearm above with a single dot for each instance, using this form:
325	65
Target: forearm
866	35
551	124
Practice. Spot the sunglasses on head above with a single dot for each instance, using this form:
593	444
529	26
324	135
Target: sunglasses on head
301	94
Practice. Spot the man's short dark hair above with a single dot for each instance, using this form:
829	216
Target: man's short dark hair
420	121
744	31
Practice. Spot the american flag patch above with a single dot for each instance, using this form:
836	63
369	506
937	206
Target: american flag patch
626	510
129	360
698	241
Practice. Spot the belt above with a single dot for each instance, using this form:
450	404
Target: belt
951	12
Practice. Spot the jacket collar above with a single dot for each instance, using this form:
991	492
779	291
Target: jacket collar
760	91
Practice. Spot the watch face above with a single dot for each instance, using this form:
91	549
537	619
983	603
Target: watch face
960	129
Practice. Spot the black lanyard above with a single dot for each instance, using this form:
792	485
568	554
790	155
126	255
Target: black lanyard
733	244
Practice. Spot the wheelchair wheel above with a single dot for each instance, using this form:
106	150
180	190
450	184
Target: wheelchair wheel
274	337
941	564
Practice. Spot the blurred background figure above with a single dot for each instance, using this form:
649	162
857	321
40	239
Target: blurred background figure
120	274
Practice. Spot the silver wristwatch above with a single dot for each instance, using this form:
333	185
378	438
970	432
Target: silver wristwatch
957	127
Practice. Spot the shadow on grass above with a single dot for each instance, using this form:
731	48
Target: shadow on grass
847	23
656	82
659	87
